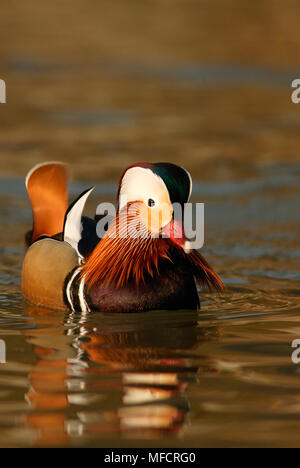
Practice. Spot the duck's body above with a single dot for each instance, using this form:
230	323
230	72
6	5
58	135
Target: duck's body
68	267
173	288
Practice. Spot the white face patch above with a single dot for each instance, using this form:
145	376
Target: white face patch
141	184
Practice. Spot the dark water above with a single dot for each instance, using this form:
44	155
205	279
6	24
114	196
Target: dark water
223	376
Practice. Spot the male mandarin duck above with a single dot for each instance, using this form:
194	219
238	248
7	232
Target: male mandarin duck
68	267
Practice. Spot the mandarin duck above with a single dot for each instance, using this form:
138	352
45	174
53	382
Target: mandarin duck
68	267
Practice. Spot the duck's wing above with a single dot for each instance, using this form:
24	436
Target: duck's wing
47	187
89	238
74	222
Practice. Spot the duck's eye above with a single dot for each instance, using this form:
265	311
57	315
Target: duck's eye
151	202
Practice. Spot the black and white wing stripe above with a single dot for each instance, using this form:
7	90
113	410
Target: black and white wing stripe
73	221
75	293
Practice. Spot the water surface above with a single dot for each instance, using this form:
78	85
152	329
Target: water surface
221	376
202	84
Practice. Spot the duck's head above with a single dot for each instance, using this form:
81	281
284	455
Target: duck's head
153	189
145	231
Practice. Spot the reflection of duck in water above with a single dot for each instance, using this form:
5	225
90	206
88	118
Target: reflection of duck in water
143	262
107	377
153	376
